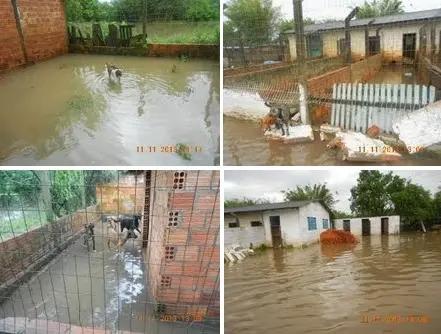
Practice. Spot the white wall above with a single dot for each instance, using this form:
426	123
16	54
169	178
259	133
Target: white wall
245	234
392	38
288	225
312	210
394	224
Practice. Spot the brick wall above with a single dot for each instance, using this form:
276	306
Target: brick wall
126	196
18	254
10	51
184	242
44	28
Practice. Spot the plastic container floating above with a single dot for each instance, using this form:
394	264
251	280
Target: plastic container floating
332	237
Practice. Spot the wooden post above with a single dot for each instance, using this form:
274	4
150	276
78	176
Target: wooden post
144	24
20	31
348	51
300	34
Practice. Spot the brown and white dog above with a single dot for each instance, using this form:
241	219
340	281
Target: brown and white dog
113	235
111	69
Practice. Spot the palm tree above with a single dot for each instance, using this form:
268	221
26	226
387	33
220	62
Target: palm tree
377	8
315	192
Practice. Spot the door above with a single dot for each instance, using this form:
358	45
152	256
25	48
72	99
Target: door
365	227
315	46
409	46
276	234
374	45
384	226
347	225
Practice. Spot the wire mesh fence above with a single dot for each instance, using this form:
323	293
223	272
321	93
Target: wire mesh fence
138	23
366	63
109	251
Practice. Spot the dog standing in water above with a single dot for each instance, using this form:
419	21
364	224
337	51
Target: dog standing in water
111	69
113	235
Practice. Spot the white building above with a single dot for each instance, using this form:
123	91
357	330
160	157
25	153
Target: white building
276	224
369	225
395	36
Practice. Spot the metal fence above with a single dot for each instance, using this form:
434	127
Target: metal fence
57	276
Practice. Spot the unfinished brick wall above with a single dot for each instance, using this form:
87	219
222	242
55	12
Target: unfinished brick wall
125	196
184	251
44	28
10	51
27	249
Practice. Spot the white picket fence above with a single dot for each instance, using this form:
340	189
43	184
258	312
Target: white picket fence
358	106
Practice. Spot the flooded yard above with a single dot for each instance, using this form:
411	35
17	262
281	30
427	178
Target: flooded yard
66	111
97	290
386	284
245	145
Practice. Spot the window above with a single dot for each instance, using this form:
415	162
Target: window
312	223
325	224
256	223
232	225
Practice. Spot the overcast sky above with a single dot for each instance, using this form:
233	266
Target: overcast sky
339	9
256	184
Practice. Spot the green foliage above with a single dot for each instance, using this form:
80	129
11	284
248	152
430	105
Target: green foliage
133	10
377	8
285	25
18	189
378	194
199	35
260	248
252	22
342	214
315	192
183	151
245	201
202	10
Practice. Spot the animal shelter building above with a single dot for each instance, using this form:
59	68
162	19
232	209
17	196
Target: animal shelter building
395	36
382	225
276	224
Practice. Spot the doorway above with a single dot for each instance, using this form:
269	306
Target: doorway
365	227
276	233
384	226
347	225
373	45
409	46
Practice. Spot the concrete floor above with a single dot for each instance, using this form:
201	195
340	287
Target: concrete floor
81	291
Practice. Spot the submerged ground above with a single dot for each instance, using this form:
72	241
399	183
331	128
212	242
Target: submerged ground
66	111
339	288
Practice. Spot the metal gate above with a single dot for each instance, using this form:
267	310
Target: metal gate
61	274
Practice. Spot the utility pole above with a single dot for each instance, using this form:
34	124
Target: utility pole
144	24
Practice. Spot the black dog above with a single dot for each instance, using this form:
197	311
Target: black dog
131	223
89	234
283	115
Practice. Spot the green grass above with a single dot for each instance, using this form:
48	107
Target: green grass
14	226
183	151
261	248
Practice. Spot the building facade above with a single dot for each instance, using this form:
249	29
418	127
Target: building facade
276	224
382	225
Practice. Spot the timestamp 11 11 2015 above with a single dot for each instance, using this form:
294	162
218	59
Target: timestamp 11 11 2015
169	149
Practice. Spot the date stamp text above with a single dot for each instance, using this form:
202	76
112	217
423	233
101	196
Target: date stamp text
394	319
390	149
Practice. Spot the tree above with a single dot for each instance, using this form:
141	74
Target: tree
285	25
377	8
342	214
256	22
244	201
315	192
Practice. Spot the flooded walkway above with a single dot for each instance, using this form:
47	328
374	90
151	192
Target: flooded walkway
90	291
66	111
339	289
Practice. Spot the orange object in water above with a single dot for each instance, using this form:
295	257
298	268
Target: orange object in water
337	237
373	131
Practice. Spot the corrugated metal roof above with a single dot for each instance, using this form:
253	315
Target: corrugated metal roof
382	20
271	206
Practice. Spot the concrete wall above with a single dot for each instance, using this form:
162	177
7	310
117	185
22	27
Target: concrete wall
44	29
311	210
356	227
186	256
245	234
19	255
126	196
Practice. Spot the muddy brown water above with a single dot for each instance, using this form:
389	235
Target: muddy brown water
66	111
245	145
105	289
375	287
